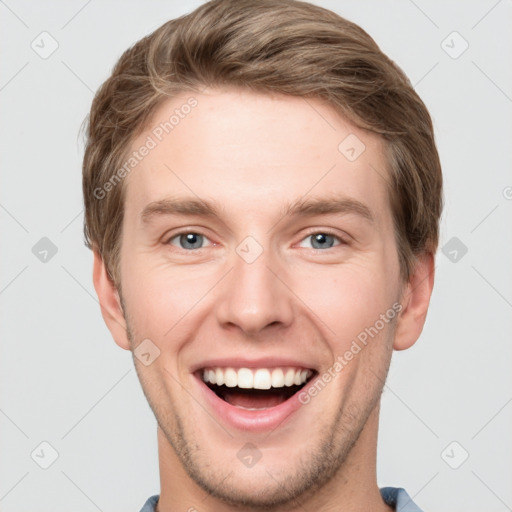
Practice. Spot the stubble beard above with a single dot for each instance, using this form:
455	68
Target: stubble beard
318	466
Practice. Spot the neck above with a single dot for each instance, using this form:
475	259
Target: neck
353	487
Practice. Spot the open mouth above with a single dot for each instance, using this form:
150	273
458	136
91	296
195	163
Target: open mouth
256	388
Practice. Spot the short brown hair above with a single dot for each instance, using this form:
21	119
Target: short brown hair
287	47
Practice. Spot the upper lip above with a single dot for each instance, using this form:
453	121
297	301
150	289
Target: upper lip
264	362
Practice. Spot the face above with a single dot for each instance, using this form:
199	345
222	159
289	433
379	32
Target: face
256	252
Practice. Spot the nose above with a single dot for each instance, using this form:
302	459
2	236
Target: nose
254	297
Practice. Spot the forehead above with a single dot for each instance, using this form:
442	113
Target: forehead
254	151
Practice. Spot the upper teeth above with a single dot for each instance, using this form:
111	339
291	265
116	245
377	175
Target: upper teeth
256	378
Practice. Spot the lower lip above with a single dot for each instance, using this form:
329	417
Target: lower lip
261	420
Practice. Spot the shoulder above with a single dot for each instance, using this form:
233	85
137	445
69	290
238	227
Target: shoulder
150	504
393	496
399	499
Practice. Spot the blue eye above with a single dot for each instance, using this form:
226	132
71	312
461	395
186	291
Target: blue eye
188	241
321	241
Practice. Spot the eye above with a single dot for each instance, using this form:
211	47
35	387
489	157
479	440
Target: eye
189	241
321	241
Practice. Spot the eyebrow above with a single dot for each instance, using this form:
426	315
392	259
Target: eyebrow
179	207
323	206
302	208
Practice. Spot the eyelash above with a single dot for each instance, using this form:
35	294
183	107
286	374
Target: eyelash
327	232
188	232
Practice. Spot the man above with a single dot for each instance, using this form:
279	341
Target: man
262	195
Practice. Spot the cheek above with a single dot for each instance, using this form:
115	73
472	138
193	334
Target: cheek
346	303
162	300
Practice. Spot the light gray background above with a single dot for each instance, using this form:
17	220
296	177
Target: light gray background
64	381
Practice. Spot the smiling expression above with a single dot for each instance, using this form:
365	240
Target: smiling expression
253	253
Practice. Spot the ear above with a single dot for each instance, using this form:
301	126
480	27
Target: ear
110	302
415	302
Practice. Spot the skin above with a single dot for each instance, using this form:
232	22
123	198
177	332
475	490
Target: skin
253	156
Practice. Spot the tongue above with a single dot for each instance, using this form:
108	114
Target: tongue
254	400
